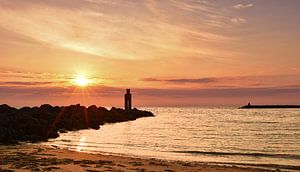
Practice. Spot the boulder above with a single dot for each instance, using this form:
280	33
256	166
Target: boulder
40	123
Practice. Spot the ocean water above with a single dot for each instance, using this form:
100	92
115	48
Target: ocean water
222	135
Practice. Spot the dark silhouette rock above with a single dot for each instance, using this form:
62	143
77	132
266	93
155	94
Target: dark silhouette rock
7	136
63	130
44	122
6	109
95	117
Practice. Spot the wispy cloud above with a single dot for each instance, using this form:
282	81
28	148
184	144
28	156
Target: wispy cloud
35	79
17	83
238	20
182	81
243	6
100	28
229	82
228	92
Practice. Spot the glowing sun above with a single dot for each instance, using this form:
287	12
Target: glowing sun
81	81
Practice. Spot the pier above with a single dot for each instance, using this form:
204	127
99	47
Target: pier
249	106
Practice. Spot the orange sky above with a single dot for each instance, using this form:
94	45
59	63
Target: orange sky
169	52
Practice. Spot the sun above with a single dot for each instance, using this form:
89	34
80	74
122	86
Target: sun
81	81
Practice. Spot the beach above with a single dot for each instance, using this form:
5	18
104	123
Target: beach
36	157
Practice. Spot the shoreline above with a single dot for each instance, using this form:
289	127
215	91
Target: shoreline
257	166
36	157
265	166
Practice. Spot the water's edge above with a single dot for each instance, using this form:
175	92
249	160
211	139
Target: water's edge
258	166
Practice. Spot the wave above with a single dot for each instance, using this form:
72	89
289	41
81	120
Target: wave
286	156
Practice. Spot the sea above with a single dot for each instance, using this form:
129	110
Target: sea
255	137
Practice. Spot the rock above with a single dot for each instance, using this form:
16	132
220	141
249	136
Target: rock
95	117
63	130
40	123
7	136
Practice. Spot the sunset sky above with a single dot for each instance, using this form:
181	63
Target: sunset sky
169	52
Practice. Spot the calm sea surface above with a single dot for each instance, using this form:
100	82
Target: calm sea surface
229	135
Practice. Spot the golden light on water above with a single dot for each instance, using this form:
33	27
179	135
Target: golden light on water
82	144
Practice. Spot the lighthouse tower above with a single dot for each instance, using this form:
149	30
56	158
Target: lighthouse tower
127	100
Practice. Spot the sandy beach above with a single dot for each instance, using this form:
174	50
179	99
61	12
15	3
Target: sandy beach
44	158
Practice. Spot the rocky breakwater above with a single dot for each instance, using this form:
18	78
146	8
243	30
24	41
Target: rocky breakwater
44	122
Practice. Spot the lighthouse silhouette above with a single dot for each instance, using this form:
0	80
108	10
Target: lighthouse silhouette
127	102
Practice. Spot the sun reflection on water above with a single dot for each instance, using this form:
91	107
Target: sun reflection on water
82	144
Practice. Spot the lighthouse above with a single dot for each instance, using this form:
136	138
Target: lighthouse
127	102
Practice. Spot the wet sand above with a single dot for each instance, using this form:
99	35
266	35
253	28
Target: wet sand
44	158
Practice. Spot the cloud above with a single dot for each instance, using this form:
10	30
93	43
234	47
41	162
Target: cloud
107	29
20	78
108	91
243	6
182	80
229	82
18	83
238	20
42	91
226	92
